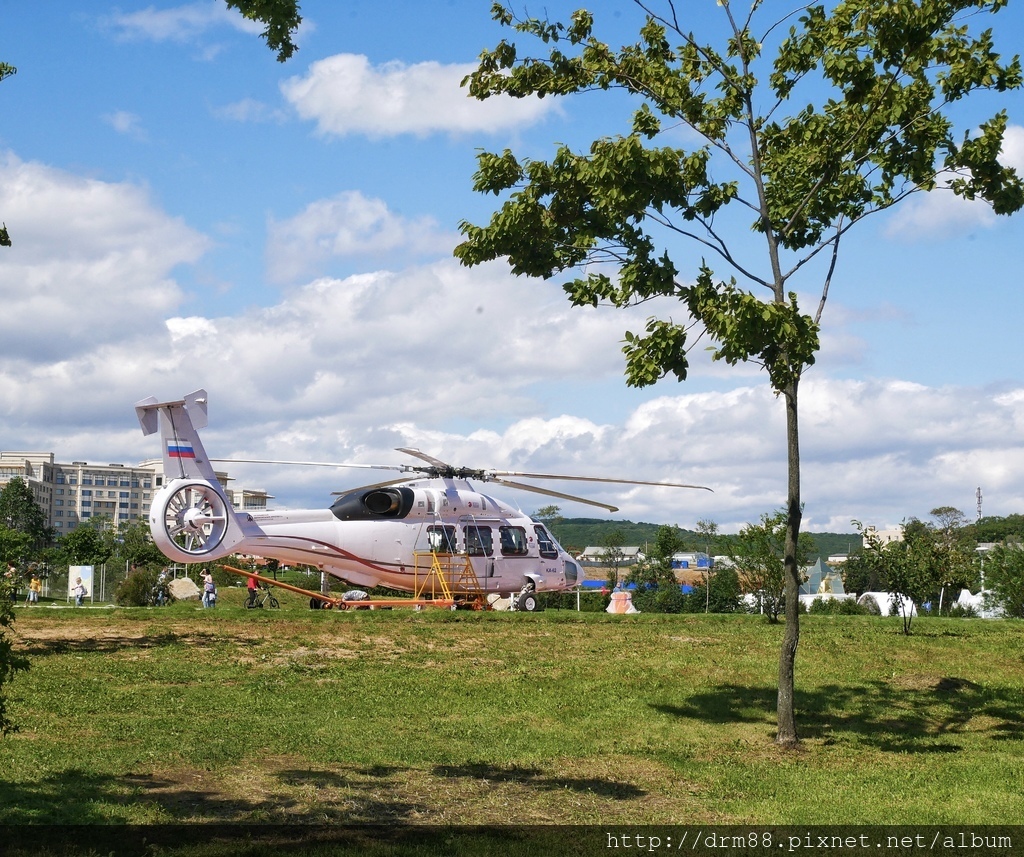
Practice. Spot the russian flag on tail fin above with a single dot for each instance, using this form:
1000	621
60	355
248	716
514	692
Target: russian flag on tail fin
180	449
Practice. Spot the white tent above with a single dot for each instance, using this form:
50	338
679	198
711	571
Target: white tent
977	603
890	604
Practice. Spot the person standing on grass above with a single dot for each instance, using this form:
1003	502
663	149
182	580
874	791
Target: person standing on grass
35	586
209	590
79	592
252	586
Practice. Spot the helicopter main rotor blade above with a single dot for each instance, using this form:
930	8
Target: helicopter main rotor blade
375	485
596	479
443	465
558	494
401	468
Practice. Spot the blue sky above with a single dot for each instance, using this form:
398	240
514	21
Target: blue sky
187	212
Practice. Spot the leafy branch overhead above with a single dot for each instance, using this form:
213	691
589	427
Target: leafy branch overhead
281	19
871	82
5	71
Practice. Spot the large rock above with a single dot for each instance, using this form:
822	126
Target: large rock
184	588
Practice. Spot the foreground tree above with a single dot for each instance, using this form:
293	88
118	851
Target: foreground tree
758	553
910	569
614	555
20	512
955	542
1004	573
869	88
11	662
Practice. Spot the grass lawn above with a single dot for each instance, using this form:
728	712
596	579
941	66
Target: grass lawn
181	715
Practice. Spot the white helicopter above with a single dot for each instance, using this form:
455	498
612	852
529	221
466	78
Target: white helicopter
428	532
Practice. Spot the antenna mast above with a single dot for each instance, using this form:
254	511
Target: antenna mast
979	502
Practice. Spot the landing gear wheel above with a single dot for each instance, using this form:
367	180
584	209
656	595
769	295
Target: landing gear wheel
196	518
528	602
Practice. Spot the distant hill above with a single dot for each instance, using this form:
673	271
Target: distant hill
577	533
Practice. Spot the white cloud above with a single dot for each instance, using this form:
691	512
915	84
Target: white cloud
181	328
126	123
941	214
91	261
1013	148
249	110
348	224
179	23
345	94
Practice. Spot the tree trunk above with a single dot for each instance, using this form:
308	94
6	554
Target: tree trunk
787	735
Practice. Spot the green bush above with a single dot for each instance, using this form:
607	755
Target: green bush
590	602
837	607
136	590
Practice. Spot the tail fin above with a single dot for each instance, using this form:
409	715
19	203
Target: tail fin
183	453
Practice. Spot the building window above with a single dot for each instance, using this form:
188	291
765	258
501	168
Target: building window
60	479
86	493
86	503
58	502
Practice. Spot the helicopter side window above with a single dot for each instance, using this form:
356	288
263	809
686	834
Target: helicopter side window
547	546
513	541
479	541
441	539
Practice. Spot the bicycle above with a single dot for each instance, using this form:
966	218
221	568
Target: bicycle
262	597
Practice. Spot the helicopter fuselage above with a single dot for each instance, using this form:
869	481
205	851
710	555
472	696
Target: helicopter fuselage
396	536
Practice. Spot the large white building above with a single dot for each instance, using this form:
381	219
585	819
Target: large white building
71	494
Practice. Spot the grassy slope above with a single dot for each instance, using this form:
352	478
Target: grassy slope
187	715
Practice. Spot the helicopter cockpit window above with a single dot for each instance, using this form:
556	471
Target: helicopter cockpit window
479	541
548	548
513	541
441	539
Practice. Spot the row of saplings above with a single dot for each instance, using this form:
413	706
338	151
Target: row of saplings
143	587
721	594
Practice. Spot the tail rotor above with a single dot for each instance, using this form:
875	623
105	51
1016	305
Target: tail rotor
194	518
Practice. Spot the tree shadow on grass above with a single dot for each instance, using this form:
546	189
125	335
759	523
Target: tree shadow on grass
82	797
534	778
110	643
905	719
277	840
